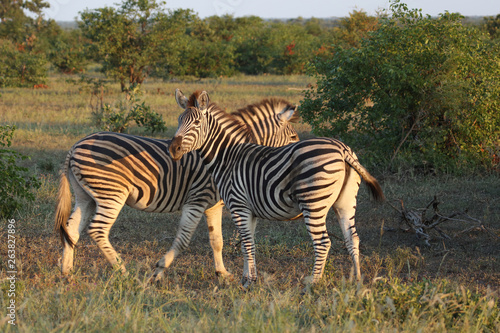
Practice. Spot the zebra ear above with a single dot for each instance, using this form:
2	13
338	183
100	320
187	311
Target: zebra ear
286	114
202	101
182	100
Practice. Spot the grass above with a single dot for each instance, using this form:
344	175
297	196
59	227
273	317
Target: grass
453	285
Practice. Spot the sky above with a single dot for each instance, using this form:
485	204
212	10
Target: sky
67	10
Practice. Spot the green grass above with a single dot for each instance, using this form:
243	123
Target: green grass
453	285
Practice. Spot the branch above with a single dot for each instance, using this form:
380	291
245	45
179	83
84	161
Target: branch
417	222
404	139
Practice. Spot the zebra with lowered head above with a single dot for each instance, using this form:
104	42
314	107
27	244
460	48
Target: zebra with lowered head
304	178
109	170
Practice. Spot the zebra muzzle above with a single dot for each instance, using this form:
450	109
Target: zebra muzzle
175	148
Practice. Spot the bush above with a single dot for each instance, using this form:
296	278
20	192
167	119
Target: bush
418	90
15	184
119	118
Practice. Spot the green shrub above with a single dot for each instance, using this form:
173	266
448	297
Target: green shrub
15	184
118	118
418	90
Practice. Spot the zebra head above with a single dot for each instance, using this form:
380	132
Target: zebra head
270	122
193	125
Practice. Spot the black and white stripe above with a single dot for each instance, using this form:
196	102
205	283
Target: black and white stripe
108	170
305	178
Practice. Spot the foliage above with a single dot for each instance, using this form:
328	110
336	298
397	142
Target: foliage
173	44
16	24
21	57
119	117
275	48
20	65
68	52
141	38
15	184
492	26
355	28
422	90
125	39
209	51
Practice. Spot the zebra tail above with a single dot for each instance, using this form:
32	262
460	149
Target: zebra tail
373	186
372	183
63	209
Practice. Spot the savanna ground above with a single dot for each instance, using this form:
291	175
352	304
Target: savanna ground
451	285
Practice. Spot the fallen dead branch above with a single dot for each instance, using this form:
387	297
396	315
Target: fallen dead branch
416	221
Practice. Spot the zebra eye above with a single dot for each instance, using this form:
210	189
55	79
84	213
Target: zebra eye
196	122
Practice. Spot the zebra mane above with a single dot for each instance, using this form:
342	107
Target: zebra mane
218	112
230	120
193	98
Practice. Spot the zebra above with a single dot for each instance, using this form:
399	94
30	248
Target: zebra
303	179
109	170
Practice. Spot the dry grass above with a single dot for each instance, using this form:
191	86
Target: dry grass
450	286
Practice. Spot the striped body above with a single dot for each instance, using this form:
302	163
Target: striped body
108	170
119	167
305	178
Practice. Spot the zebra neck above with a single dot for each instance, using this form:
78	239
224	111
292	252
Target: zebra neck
223	144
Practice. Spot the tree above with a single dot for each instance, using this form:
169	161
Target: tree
125	39
492	26
355	28
16	25
173	43
210	51
276	47
20	66
22	59
67	51
419	89
252	49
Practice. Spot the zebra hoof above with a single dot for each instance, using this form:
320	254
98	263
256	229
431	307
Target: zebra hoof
224	275
246	283
311	280
307	290
157	275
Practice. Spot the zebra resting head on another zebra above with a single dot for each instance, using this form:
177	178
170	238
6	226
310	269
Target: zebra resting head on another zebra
304	178
269	116
109	170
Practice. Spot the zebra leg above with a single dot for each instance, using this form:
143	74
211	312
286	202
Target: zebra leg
104	218
245	223
214	222
345	209
191	216
316	226
84	207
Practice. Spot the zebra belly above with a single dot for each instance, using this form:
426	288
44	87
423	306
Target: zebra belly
270	215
